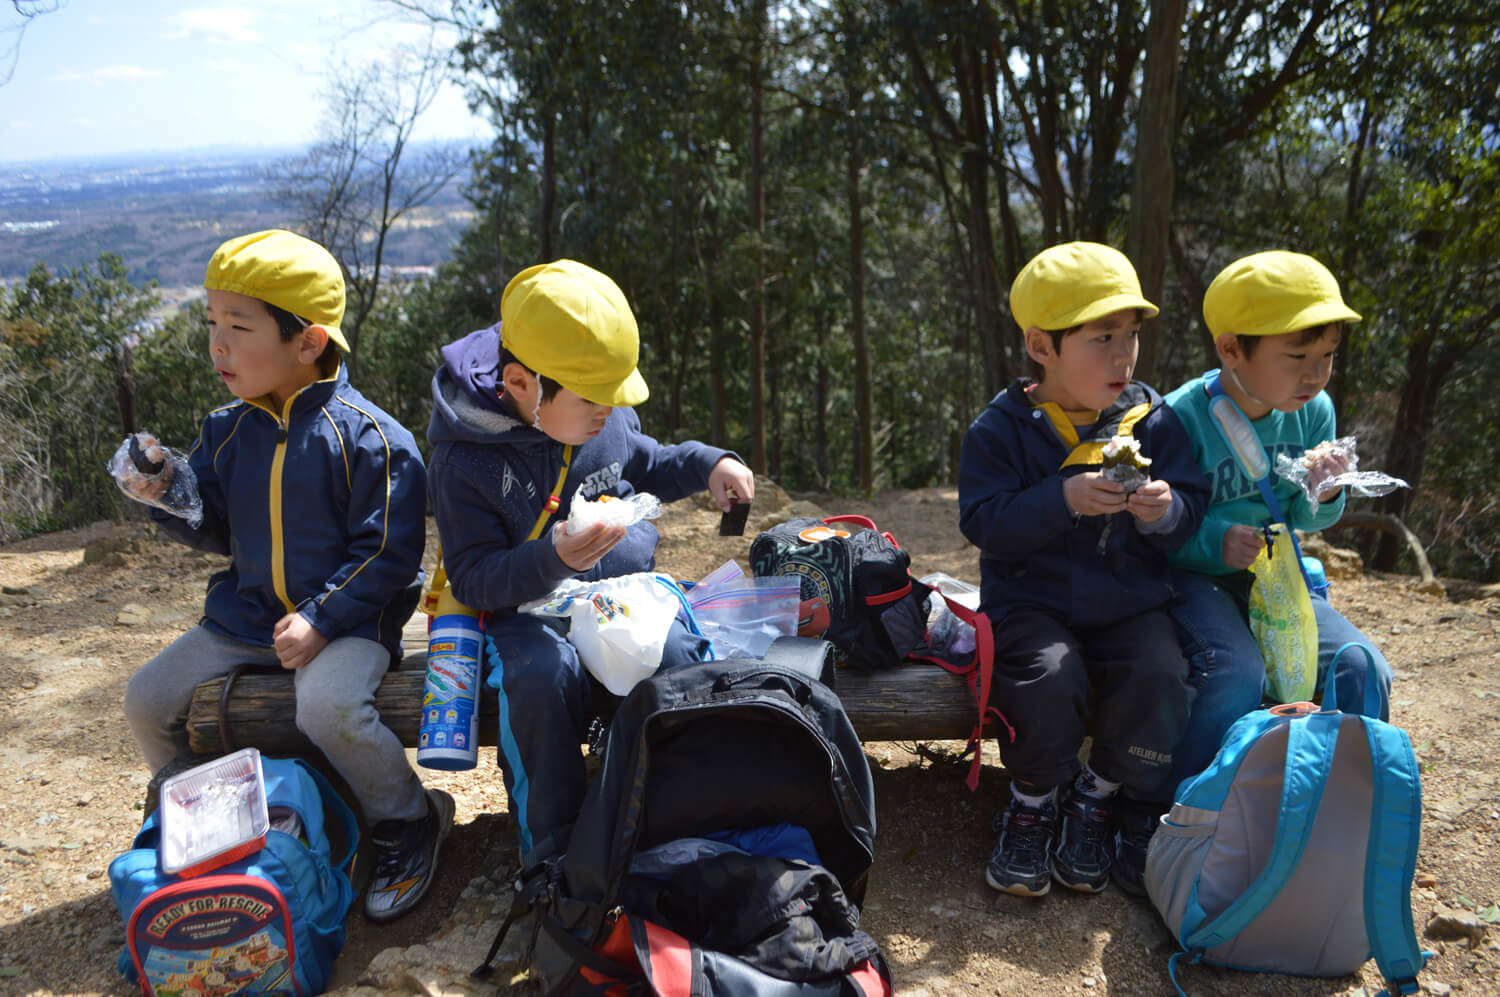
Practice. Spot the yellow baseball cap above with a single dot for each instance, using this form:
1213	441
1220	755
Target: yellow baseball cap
1268	294
284	269
573	324
1075	283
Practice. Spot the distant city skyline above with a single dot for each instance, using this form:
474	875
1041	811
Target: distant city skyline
97	79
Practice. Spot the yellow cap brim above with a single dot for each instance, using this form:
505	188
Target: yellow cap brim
619	394
1101	307
335	335
1318	314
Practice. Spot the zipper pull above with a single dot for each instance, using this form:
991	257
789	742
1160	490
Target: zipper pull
280	434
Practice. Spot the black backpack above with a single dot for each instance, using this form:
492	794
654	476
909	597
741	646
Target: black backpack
701	750
857	590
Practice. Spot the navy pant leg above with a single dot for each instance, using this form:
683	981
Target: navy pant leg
1141	700
545	698
1042	686
1353	672
682	646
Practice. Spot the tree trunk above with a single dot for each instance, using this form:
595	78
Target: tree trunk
1154	179
983	272
549	185
125	391
864	408
758	452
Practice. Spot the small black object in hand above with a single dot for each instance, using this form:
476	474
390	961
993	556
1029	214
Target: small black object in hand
732	523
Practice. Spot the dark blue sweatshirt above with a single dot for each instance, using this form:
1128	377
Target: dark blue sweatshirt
1034	552
490	476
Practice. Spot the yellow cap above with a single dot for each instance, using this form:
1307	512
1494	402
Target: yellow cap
1268	294
573	324
286	270
1075	283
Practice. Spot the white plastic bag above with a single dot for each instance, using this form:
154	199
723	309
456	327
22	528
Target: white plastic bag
1307	472
741	614
619	625
611	511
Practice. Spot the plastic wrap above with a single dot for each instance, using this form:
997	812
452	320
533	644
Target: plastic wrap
611	511
741	614
159	476
947	635
1311	473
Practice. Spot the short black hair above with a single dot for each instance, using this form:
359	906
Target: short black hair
1037	372
1305	337
291	326
550	388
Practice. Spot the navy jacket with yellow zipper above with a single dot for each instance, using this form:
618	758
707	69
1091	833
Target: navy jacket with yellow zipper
1034	553
320	508
492	476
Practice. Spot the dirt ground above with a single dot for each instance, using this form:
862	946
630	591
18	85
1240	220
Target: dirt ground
72	632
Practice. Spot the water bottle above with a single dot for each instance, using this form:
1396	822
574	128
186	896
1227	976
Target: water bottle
449	735
1317	581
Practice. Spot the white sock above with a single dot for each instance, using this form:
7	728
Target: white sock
1095	785
1027	800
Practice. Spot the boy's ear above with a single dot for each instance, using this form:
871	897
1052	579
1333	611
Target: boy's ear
1039	346
314	341
516	378
1227	345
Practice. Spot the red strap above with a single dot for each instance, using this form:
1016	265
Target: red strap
983	671
671	958
869	981
894	595
864	521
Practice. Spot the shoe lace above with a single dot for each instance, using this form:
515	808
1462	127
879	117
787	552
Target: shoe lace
1093	824
1028	829
390	846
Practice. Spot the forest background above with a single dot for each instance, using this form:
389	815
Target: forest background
816	210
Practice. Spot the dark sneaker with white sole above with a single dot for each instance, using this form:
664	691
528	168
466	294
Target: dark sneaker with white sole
406	853
1085	846
1021	863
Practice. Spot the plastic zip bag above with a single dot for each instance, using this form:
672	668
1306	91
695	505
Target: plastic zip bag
157	476
741	615
1307	471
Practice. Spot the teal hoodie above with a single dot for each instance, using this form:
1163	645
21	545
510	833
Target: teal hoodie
1235	498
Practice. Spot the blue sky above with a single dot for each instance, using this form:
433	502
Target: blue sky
97	77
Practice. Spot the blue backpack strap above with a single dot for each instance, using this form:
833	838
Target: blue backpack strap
1310	744
335	809
1262	481
1391	859
1374	703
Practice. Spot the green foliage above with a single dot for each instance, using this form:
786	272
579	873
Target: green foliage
65	346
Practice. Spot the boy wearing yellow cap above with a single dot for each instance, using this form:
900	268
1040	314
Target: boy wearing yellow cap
318	497
1276	318
526	414
1074	577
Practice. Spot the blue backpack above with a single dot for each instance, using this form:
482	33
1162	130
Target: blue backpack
1294	851
269	923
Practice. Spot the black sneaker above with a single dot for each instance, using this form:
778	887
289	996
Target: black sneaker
1085	846
1021	863
406	854
1135	822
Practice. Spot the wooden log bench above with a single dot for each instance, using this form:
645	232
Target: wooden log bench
909	702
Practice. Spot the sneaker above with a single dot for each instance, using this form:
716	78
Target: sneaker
1135	823
1085	845
1021	863
406	854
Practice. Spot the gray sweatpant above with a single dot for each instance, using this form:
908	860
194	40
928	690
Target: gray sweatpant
335	709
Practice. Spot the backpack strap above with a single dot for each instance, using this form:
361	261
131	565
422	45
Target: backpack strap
335	809
1310	745
554	499
1375	704
978	673
1391	858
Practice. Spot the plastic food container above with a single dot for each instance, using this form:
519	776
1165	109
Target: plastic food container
213	814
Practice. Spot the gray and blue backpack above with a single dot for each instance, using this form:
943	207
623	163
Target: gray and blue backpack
1294	851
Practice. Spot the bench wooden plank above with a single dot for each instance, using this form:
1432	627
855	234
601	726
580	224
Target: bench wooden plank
909	702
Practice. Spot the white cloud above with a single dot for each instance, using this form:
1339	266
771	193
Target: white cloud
108	74
215	25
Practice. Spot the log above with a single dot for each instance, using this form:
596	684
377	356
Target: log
908	702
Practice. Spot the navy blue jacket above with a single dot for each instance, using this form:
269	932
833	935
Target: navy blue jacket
1034	553
321	508
491	475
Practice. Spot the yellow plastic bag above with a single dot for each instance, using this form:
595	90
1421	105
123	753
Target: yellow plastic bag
1281	617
